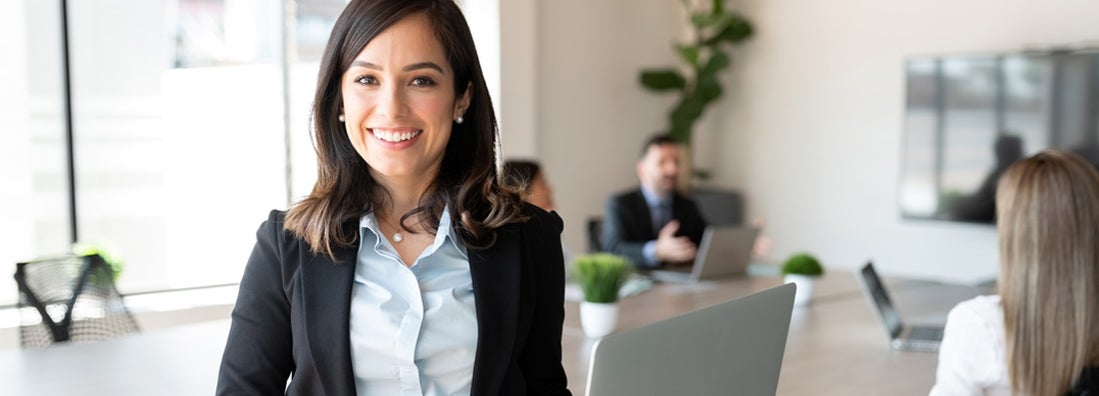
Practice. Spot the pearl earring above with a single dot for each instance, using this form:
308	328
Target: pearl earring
341	118
459	120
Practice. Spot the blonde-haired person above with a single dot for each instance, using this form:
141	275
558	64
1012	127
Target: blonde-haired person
1040	336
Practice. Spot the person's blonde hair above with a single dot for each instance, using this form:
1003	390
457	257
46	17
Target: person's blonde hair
1048	221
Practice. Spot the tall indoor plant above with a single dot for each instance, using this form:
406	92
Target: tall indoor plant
713	29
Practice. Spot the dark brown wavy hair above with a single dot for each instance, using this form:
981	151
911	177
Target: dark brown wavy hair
467	179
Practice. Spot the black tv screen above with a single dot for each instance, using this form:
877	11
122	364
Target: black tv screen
967	117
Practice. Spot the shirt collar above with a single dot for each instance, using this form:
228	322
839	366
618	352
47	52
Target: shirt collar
654	200
369	222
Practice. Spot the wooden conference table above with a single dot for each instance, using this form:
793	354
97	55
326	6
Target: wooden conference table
835	347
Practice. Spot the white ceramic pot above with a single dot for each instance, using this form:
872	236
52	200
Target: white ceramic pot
598	319
805	285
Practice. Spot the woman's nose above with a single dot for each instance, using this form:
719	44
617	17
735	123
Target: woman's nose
391	103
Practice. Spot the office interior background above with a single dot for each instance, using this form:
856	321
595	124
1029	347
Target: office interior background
190	120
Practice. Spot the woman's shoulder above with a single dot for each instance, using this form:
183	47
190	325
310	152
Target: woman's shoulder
539	219
276	216
274	226
971	357
273	231
980	306
981	314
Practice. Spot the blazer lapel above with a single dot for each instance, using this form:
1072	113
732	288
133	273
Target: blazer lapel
326	291
496	275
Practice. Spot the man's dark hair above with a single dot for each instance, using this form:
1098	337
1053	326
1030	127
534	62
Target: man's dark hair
659	139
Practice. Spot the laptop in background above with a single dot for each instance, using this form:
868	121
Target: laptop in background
723	251
901	336
735	347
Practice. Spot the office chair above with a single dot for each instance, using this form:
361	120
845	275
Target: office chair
595	231
69	299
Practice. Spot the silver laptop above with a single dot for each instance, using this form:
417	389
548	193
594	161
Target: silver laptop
735	347
902	337
724	251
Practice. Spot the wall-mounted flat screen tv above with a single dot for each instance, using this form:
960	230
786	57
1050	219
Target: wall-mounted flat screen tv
967	117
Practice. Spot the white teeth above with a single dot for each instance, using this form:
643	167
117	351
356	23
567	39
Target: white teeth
394	136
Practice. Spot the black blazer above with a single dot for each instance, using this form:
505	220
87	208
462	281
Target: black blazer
628	224
292	315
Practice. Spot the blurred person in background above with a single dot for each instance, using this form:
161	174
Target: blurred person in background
1040	335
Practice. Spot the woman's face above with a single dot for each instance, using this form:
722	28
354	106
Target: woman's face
541	194
399	101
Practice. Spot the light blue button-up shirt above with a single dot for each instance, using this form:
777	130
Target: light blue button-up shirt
413	329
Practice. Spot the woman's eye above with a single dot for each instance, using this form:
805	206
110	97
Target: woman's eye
366	80
423	81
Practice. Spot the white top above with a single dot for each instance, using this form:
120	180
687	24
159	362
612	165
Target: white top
971	357
413	329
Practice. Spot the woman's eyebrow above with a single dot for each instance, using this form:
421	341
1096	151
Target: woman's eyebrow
414	66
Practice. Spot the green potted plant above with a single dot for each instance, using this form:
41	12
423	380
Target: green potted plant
601	275
803	270
113	263
697	84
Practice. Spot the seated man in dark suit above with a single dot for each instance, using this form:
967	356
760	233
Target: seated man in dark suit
654	225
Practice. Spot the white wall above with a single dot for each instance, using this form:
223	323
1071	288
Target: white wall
814	129
593	114
810	127
518	78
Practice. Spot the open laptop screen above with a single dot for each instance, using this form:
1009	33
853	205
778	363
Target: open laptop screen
735	347
886	311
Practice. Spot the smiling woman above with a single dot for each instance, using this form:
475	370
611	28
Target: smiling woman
399	105
409	269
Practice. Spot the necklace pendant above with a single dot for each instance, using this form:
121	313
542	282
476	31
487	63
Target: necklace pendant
397	237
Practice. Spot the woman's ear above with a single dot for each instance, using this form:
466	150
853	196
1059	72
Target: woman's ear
462	104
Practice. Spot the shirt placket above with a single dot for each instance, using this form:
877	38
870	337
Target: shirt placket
408	336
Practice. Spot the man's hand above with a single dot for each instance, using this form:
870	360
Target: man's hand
672	249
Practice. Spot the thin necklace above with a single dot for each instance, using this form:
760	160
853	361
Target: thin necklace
397	237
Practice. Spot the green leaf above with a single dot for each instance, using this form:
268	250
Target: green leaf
662	80
738	29
684	116
708	88
681	133
716	16
718	60
703	20
689	53
688	110
734	30
701	174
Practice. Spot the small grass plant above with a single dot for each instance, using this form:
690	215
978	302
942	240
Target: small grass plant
802	264
601	275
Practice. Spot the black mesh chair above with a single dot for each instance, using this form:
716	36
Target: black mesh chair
595	232
69	299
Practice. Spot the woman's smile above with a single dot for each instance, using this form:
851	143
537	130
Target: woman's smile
395	135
